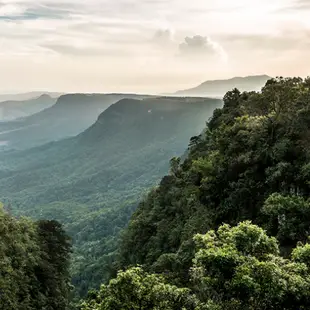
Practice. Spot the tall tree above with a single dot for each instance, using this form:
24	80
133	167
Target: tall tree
34	261
53	270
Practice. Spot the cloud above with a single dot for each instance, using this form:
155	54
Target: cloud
98	27
7	10
23	11
284	41
200	46
296	5
302	4
108	26
154	42
163	36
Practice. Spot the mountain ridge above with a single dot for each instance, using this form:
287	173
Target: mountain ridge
220	87
70	115
11	110
27	95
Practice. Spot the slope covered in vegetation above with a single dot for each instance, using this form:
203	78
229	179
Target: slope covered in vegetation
254	153
227	229
251	163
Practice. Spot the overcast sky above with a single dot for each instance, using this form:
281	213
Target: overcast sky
148	45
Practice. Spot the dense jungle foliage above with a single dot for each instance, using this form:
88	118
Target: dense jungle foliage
250	163
34	264
234	268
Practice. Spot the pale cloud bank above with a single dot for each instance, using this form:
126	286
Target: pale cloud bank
148	45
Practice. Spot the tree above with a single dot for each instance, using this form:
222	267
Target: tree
53	269
255	146
33	264
17	239
287	218
240	268
135	289
174	165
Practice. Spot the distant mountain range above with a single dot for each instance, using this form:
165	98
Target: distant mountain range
12	109
27	96
218	88
70	115
92	182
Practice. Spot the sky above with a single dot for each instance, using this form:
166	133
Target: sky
148	46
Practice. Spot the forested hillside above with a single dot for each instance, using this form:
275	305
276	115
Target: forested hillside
92	183
72	114
34	264
254	152
251	163
226	229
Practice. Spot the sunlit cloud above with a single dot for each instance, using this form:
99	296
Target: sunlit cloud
200	48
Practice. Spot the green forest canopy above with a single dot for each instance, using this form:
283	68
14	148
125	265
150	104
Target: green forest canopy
251	163
228	228
233	268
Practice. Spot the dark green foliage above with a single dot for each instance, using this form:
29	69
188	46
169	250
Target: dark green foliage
19	254
240	268
234	268
249	166
134	289
34	265
288	217
255	146
53	270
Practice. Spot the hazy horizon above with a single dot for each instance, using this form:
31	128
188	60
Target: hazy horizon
147	46
38	92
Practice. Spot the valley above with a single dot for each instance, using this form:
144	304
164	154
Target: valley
92	182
